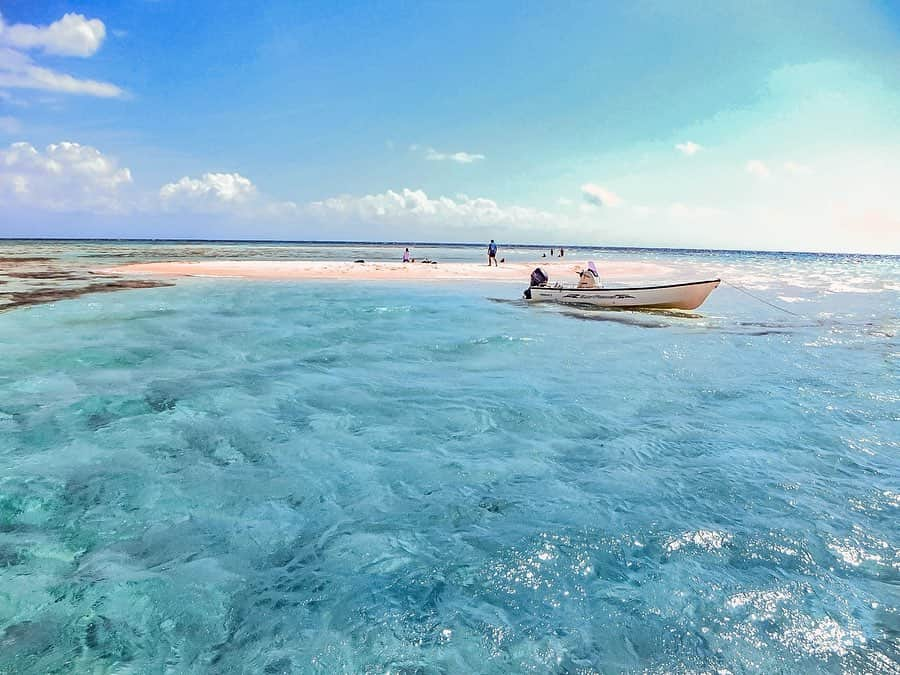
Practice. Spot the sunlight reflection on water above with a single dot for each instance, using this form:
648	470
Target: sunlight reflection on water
253	476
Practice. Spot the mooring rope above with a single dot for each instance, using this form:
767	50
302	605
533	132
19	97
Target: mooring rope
762	300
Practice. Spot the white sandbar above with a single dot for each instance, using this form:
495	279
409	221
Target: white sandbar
389	271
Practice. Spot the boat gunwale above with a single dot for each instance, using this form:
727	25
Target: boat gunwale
610	289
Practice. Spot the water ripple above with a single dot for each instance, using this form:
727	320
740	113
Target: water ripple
236	477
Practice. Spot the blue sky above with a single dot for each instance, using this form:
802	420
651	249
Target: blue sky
731	124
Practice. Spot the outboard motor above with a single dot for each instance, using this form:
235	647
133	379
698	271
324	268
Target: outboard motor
538	278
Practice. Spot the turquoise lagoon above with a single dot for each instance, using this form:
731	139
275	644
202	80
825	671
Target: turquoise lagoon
271	477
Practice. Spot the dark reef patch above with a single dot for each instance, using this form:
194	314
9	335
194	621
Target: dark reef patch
14	260
40	296
46	274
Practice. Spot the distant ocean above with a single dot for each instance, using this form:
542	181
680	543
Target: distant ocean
243	476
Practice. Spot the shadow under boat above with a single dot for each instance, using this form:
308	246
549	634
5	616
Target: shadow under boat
630	316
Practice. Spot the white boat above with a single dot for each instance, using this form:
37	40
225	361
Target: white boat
688	295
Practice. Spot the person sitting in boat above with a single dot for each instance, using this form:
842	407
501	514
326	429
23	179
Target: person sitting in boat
589	278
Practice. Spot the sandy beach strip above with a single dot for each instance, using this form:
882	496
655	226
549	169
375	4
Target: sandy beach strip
386	271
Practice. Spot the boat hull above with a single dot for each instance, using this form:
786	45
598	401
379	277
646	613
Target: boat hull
673	296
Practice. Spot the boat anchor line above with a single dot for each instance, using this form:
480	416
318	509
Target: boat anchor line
762	300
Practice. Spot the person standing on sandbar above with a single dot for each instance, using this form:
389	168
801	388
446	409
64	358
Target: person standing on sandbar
492	253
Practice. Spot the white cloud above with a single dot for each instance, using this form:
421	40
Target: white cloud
796	169
64	177
216	188
227	193
68	177
406	207
71	178
458	157
564	201
758	168
72	35
235	196
688	148
597	195
17	70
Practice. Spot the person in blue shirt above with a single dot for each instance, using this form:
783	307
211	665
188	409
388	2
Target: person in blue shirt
492	253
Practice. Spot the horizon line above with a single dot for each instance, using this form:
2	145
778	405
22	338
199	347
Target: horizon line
345	242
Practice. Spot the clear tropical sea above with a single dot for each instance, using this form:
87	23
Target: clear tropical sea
273	477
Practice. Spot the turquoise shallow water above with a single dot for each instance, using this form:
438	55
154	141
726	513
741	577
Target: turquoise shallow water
229	476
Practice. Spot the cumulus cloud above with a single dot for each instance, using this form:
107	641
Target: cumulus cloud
72	35
63	177
688	148
216	188
758	168
226	193
408	206
69	177
597	195
233	195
